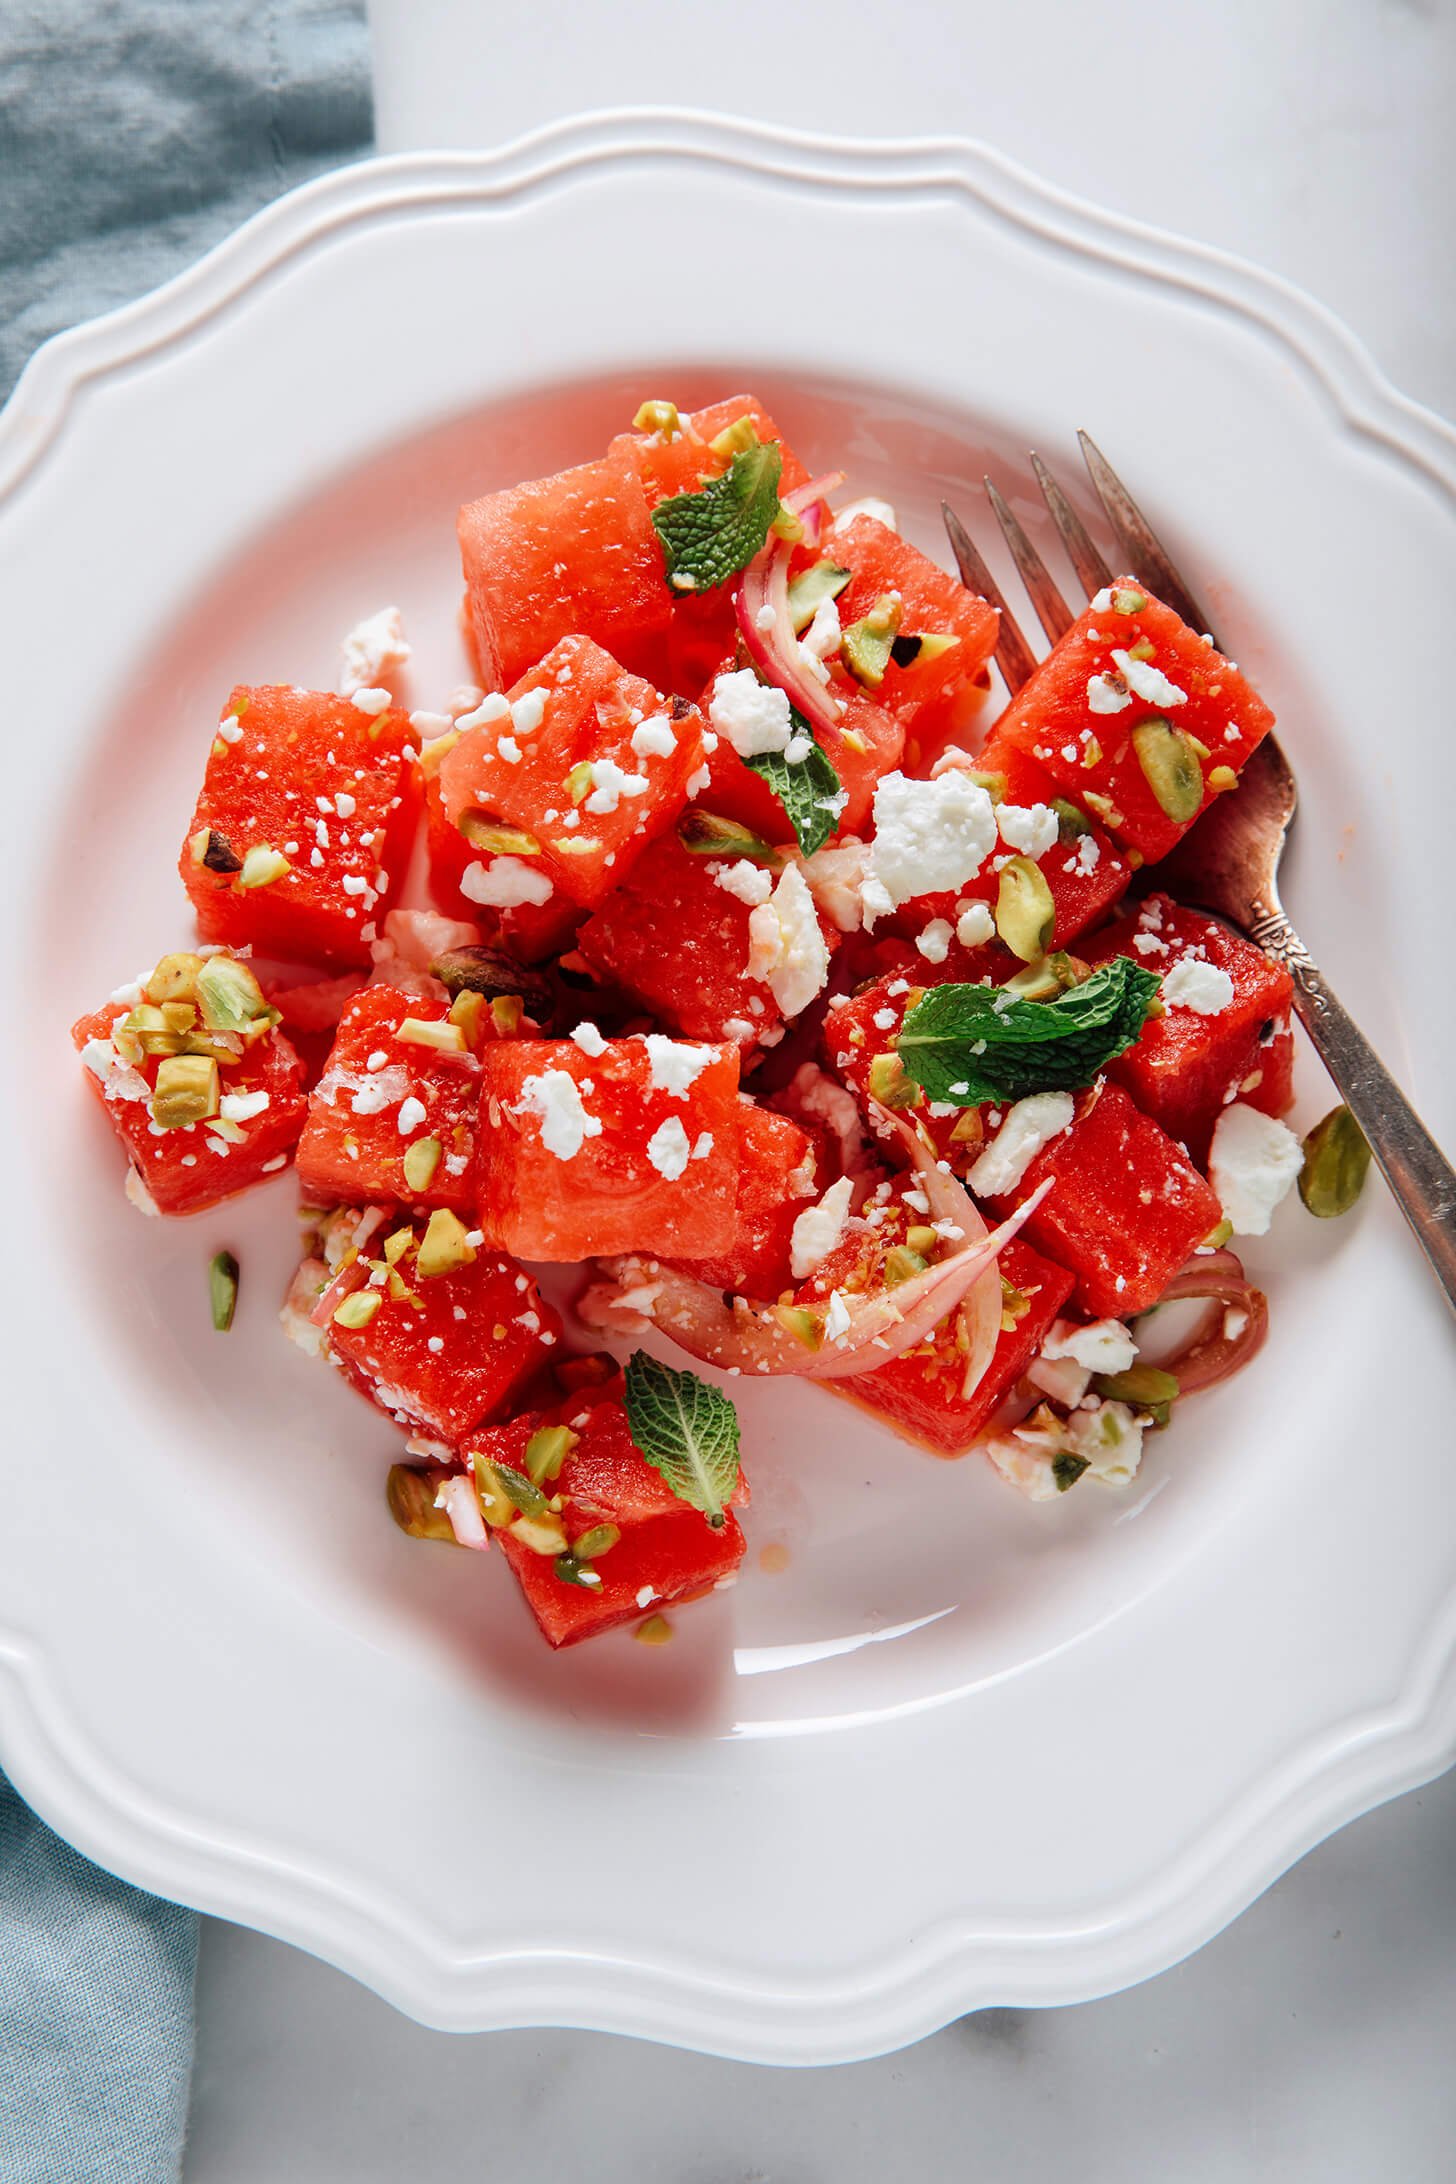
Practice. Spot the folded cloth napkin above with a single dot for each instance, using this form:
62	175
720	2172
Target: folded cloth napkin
133	133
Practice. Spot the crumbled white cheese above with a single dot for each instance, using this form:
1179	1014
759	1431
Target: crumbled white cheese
495	707
819	1228
1252	1164
1029	1125
674	1066
565	1123
1031	828
835	878
589	1039
1101	602
372	702
754	716
1089	853
1106	1346
241	1106
787	950
1149	682
934	942
823	634
836	1319
1202	987
411	1116
654	739
528	712
748	881
974	924
508	749
696	783
373	648
930	836
505	882
610	784
668	1149
1110	1437
1107	694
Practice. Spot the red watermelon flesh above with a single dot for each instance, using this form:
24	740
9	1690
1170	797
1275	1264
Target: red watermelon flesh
776	1181
661	1564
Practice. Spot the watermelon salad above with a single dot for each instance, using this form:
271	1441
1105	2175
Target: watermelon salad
807	1013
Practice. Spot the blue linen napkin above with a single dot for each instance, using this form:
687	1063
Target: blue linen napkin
133	134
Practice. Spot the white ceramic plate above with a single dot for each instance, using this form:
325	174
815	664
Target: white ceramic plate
965	1750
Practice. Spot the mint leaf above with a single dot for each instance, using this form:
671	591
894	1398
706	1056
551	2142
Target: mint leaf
808	790
687	1431
709	535
967	1044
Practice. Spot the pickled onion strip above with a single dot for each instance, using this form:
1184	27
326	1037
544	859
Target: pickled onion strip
765	624
1212	1353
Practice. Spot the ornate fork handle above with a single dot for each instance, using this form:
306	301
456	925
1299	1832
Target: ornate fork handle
1418	1172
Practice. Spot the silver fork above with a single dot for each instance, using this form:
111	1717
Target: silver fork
1229	861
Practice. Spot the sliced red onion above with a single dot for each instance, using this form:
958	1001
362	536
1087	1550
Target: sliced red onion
1213	1354
739	1336
980	1311
356	1273
774	649
457	1498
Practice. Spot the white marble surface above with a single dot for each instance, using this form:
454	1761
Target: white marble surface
1310	2043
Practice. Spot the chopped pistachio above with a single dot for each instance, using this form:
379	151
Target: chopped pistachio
1038	982
810	588
543	1535
598	1541
522	1493
231	1133
487	971
889	1084
1336	1162
1142	650
434	753
921	1238
358	1308
483	831
1170	767
735	439
855	740
1025	912
1015	1304
917	648
174	978
1067	1469
1072	821
262	866
444	1245
445	1038
572	1571
865	646
411	1499
576	845
653	1630
902	1265
1218	1235
805	1326
1222	779
496	1505
187	1090
969	1128
222	1289
467	1010
178	1016
1091	752
397	1243
786	525
994	784
546	1452
581	780
659	417
420	1162
704	834
228	994
1126	601
1104	807
1145	1387
1135	859
506	1013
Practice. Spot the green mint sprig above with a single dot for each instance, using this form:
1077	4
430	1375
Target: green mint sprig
709	535
808	789
687	1430
968	1044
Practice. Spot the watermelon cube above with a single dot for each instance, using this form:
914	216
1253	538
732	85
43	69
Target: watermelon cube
304	826
661	1564
572	552
1226	1015
438	1351
569	778
700	984
776	1181
926	689
394	1117
609	1146
1126	1208
529	931
243	1091
1084	870
604	1477
859	1043
1137	718
869	742
921	1394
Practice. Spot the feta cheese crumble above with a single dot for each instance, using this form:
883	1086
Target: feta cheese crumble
241	1106
610	784
372	702
754	716
505	883
565	1123
974	924
1031	828
787	950
1031	1124
589	1039
930	836
1106	1346
1202	987
1149	682
411	1116
748	881
674	1066
934	942
1252	1164
819	1229
654	739
1107	694
372	649
668	1149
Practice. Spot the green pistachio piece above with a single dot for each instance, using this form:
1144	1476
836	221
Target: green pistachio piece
546	1452
420	1162
597	1541
889	1083
1336	1162
735	439
222	1289
187	1090
483	831
704	834
358	1308
805	1326
1067	1469
808	591
1072	821
1125	601
174	979
1026	916
659	417
1170	767
444	1246
1145	1387
411	1499
902	1265
262	866
866	645
917	648
228	994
